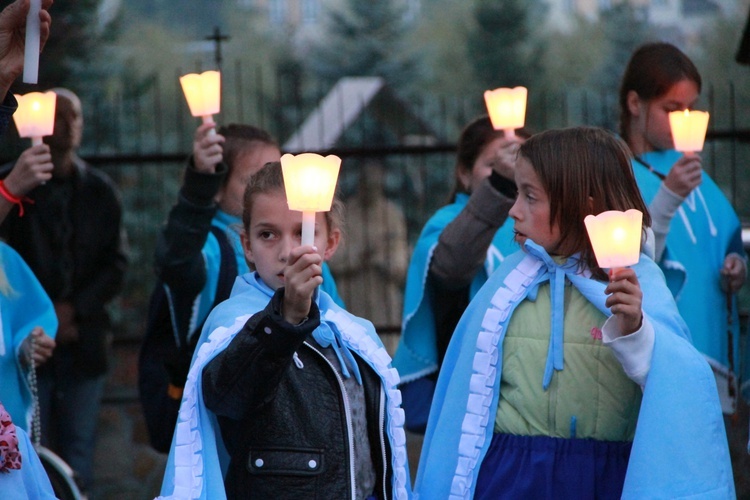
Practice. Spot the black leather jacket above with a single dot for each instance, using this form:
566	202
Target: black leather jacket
286	427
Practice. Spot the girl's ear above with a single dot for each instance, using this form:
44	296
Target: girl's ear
464	177
334	238
591	205
633	102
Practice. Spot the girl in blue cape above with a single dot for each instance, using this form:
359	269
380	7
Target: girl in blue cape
562	381
461	244
22	475
698	234
288	395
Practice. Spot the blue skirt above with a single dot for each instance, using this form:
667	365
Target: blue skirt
518	467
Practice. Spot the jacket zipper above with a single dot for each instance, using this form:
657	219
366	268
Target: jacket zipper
347	412
381	423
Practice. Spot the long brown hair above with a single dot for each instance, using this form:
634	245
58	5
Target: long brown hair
584	170
475	136
652	70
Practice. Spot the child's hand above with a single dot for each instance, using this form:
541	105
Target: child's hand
44	345
506	156
685	175
302	274
33	167
625	299
733	273
207	150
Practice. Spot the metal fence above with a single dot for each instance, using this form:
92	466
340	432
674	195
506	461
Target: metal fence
142	140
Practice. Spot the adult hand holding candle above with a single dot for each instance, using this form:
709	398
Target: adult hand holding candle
507	108
35	116
688	130
310	183
203	94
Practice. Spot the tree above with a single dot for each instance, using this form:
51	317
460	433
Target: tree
625	28
75	53
501	48
363	38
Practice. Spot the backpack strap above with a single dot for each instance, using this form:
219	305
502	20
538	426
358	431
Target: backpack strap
227	273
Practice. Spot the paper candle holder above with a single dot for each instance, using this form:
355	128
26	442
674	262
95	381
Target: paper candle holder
688	130
35	116
507	108
310	184
203	93
615	237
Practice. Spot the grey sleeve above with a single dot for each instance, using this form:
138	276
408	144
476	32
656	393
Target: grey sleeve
663	208
462	246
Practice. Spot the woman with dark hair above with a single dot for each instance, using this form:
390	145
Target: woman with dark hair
698	234
459	247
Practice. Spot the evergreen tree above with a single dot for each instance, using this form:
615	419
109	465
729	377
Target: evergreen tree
76	53
363	38
624	27
501	49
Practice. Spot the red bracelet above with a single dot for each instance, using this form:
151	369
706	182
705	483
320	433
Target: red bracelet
16	200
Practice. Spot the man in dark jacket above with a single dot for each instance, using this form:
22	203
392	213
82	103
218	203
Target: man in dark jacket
71	237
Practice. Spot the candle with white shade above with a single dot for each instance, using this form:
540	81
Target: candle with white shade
310	183
615	237
688	130
203	94
35	116
507	108
32	43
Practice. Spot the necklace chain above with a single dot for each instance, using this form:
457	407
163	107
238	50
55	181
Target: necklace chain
36	422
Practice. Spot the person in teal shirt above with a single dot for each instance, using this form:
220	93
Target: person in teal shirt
460	245
698	234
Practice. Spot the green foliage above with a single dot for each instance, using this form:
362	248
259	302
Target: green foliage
363	38
501	47
440	38
624	28
74	54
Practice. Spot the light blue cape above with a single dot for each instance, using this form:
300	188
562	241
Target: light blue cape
26	307
680	446
30	482
197	460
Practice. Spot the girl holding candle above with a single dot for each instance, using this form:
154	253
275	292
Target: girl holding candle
698	234
198	254
458	248
293	397
561	379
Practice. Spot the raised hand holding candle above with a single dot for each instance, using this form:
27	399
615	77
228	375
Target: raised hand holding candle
32	43
203	94
688	130
615	237
35	116
507	108
310	183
